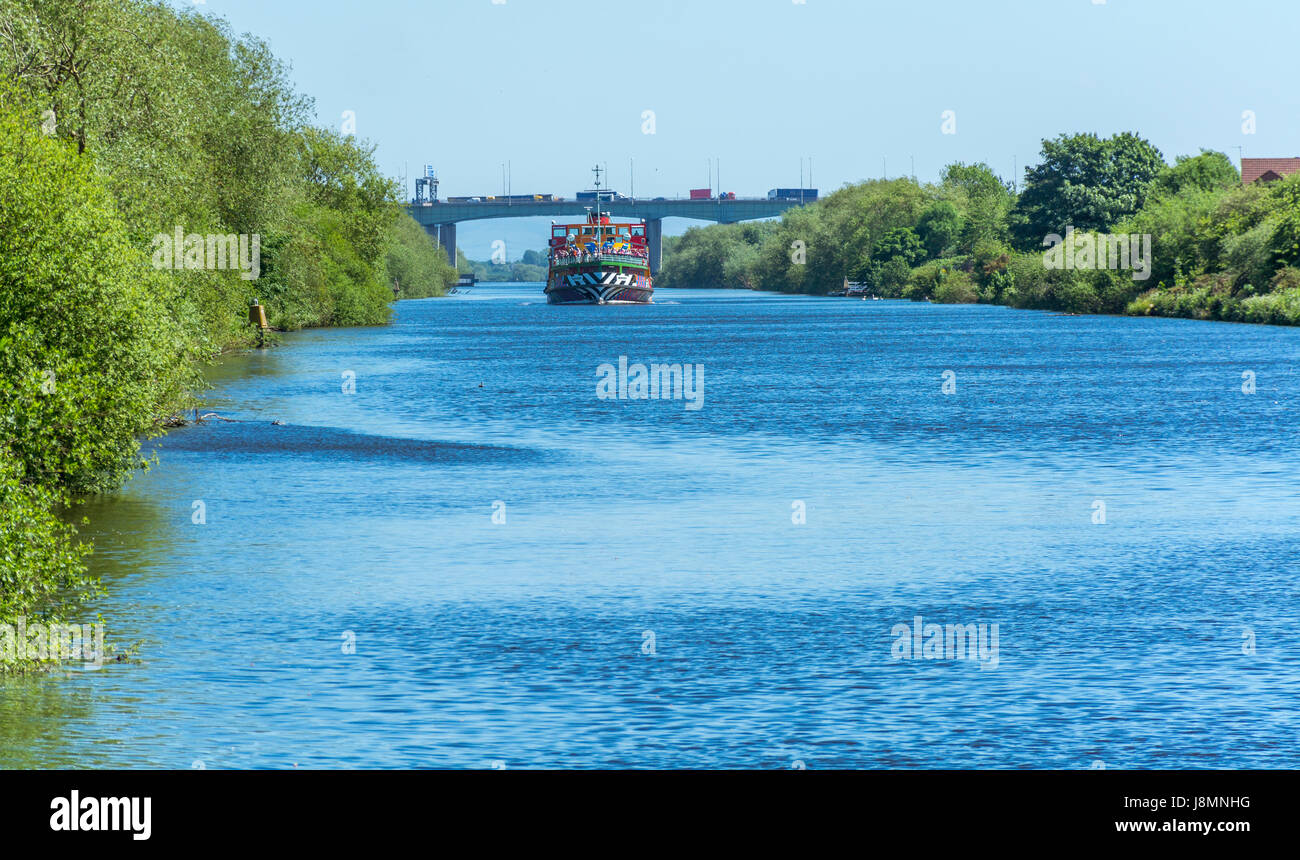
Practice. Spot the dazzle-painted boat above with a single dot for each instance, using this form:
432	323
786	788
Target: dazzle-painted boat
599	262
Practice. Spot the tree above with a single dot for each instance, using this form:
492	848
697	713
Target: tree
341	175
984	200
415	263
891	276
1209	171
939	227
90	357
900	243
838	234
1086	182
715	257
1285	239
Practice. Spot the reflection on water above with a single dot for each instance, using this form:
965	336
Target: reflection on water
534	575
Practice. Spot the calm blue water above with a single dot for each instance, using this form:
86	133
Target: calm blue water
642	526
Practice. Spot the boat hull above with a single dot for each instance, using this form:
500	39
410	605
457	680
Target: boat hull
599	284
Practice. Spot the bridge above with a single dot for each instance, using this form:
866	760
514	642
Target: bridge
440	219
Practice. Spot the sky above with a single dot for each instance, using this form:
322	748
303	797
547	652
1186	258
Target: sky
741	93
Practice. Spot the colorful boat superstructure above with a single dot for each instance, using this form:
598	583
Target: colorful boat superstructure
599	262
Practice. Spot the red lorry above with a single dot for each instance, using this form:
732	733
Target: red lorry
701	193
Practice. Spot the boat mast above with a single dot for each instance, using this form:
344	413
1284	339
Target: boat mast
596	170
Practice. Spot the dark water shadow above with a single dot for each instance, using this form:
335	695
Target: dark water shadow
264	438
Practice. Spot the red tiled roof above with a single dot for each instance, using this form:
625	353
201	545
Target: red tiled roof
1254	168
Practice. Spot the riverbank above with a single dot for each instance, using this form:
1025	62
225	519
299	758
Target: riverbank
147	197
1151	239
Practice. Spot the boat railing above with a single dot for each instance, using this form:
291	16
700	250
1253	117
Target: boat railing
598	257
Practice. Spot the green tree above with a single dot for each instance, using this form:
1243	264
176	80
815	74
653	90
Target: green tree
718	256
415	263
939	228
984	201
91	354
1086	182
899	243
1285	240
341	176
1209	171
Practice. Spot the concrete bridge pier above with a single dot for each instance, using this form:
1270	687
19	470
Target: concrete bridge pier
447	239
654	236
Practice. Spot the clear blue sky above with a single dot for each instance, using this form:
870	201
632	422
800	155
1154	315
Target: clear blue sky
554	86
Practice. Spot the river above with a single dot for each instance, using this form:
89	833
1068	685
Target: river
472	560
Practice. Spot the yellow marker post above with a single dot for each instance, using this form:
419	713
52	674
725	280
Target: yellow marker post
257	315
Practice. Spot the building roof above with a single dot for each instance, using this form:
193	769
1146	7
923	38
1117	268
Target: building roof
1253	169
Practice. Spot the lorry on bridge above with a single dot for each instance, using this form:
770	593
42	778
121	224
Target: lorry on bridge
604	195
803	194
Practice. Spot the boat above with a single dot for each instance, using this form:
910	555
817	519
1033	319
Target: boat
599	261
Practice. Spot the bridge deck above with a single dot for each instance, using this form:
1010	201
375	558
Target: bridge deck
721	211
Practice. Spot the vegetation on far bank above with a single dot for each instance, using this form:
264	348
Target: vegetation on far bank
531	267
1219	250
122	121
